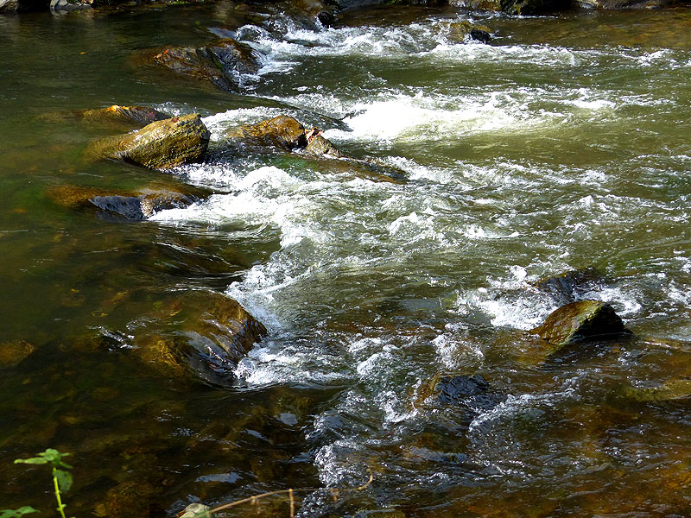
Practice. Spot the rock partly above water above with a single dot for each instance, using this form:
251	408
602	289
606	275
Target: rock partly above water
460	32
130	205
569	286
139	115
222	63
160	145
580	321
283	133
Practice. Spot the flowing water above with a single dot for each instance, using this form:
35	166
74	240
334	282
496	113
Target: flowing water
562	145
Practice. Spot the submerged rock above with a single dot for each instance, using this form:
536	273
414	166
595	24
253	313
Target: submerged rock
223	63
160	145
133	206
201	332
580	321
472	394
15	352
459	32
669	391
139	115
283	132
131	499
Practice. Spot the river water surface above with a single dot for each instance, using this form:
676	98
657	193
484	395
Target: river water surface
562	145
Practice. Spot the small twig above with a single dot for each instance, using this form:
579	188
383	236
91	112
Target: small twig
292	503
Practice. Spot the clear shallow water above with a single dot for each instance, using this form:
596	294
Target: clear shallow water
543	152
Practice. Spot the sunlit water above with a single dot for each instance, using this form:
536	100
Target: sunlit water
546	151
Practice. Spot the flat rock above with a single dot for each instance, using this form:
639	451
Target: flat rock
580	321
138	115
160	145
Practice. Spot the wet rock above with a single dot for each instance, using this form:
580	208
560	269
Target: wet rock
519	7
470	393
138	115
321	147
580	321
570	285
460	32
15	352
201	332
669	391
223	63
9	6
130	499
312	11
133	206
283	132
160	145
69	5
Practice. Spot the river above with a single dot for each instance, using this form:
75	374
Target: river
562	145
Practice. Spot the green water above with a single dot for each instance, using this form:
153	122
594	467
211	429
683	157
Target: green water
562	145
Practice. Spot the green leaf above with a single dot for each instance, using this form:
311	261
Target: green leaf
17	513
64	479
32	460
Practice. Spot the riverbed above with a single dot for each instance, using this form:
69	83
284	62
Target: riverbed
562	145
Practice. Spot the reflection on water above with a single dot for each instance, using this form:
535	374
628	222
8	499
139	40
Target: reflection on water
561	146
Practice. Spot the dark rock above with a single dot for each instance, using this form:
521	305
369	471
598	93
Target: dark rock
160	145
311	11
282	132
222	63
133	206
470	391
69	5
9	6
459	32
580	321
15	352
569	286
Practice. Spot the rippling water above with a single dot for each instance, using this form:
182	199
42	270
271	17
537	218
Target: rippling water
562	145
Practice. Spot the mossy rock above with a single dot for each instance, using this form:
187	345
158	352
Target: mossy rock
283	133
580	321
160	145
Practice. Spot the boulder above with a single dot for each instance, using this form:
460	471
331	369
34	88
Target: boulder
283	132
137	115
69	5
133	206
15	352
222	63
460	32
580	321
160	145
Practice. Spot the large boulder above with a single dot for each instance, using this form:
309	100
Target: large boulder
283	133
160	145
580	321
222	63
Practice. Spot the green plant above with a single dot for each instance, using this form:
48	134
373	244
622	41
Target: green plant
62	479
17	513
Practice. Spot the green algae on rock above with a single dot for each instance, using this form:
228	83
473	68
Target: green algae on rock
160	145
671	390
580	321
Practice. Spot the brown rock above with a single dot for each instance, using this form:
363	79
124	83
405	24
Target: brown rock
282	132
160	145
15	352
139	115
